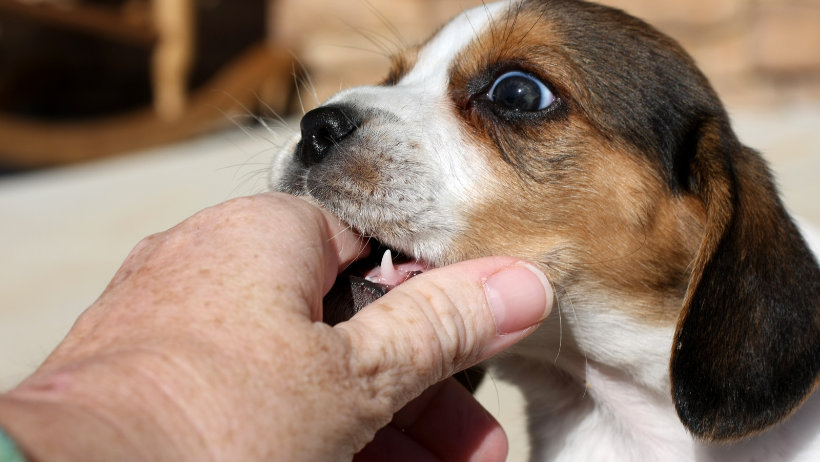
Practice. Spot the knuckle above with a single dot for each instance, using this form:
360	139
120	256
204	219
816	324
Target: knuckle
241	203
443	317
145	245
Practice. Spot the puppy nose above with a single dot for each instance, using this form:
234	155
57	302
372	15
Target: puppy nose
322	128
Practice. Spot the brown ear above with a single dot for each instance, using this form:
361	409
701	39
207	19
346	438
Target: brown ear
747	347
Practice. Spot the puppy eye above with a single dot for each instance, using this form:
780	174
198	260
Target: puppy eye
518	91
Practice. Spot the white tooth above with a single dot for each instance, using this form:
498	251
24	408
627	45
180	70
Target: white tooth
389	273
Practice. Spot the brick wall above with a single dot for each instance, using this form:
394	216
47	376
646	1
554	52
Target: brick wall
756	52
761	52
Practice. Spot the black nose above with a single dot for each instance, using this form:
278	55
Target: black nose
321	129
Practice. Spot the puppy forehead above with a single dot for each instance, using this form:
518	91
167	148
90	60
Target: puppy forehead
426	74
436	57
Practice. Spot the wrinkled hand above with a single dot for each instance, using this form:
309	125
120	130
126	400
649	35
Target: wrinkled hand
206	345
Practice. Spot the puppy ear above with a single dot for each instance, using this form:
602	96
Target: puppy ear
747	346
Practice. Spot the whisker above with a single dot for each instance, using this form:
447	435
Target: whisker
275	140
497	393
245	128
514	21
311	86
249	113
346	228
537	20
493	28
298	92
261	119
247	177
389	24
351	47
475	32
373	38
239	166
581	343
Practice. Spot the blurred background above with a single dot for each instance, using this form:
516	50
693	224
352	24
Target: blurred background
120	118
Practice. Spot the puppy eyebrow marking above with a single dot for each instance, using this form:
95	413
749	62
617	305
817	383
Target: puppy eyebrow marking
535	23
511	24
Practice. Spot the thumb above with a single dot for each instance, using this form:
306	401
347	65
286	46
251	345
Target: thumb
443	321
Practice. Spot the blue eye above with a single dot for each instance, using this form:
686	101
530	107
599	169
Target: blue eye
520	92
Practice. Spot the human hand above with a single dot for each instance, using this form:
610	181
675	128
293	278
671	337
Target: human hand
207	346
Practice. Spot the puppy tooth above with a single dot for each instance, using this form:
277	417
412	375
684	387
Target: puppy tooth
389	272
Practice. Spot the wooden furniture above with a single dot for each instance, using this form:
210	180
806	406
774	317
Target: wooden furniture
167	26
261	76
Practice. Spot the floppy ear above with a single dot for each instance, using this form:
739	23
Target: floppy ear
747	346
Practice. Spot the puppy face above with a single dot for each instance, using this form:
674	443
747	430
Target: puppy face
577	137
441	168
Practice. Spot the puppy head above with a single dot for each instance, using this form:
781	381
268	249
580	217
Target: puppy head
580	138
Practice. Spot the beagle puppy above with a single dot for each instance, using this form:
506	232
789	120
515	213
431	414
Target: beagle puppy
578	137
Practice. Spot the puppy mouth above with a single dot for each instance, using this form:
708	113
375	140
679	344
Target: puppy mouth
385	267
367	280
391	271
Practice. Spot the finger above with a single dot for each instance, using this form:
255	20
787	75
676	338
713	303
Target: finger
391	445
295	243
445	423
309	240
346	243
444	321
453	425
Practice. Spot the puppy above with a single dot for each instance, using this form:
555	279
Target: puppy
575	136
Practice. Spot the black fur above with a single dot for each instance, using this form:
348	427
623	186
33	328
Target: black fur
747	350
